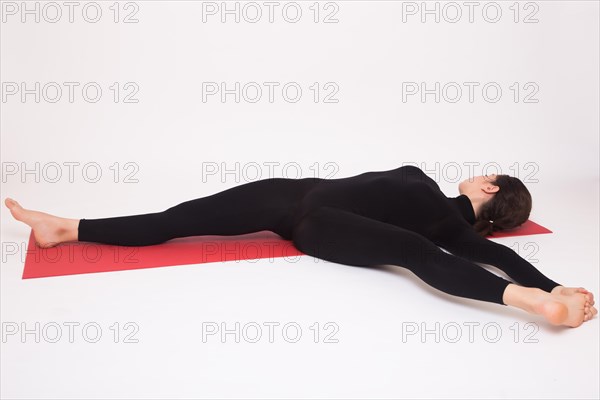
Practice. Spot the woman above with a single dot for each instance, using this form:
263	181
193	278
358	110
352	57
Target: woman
398	216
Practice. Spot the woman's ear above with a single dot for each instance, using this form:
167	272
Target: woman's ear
490	188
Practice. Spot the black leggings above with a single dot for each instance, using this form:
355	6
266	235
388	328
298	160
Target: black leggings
328	233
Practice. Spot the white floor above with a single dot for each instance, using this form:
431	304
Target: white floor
360	328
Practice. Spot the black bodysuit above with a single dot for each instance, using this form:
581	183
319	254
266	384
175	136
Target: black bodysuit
398	217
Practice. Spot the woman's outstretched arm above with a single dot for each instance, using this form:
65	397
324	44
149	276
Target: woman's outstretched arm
469	244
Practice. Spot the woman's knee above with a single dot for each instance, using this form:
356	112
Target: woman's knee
309	235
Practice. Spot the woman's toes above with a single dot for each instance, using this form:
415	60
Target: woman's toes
10	203
589	313
589	296
15	208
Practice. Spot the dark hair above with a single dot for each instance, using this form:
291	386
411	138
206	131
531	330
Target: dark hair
508	208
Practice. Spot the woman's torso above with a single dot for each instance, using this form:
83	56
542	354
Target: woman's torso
405	197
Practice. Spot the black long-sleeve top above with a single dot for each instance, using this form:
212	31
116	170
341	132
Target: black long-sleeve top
408	198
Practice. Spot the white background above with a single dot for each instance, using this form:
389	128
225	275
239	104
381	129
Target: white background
172	136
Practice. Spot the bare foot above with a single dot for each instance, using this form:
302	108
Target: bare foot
564	309
48	230
559	309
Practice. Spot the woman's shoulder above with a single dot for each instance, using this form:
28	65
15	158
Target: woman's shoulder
411	174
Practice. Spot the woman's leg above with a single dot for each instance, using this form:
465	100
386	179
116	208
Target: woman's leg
250	207
347	238
259	205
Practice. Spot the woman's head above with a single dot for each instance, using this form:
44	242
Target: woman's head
502	199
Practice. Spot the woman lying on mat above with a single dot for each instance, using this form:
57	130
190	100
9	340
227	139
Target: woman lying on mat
398	217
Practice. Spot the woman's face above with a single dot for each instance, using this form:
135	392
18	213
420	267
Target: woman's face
478	183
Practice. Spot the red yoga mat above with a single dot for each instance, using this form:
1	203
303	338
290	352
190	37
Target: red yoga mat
72	258
527	228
